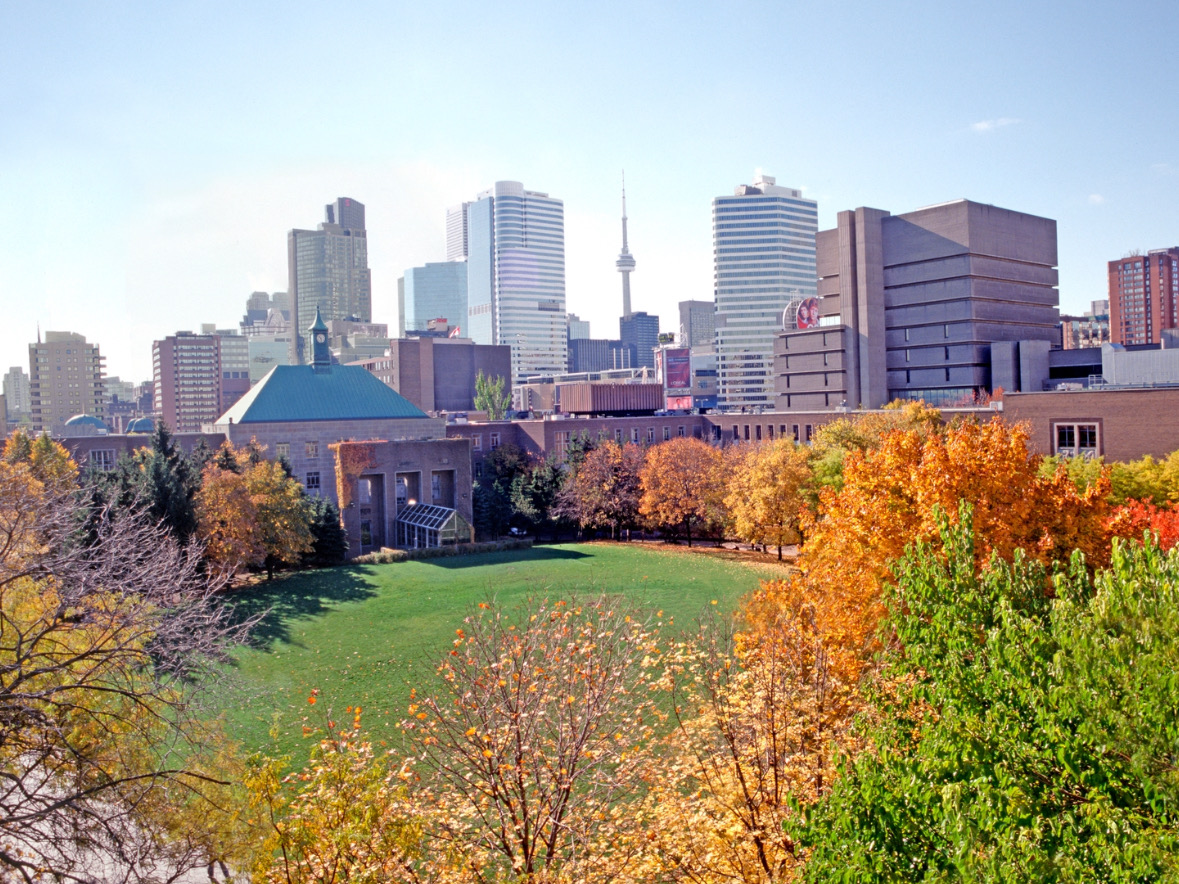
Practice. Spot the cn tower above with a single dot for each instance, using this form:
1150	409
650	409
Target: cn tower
626	261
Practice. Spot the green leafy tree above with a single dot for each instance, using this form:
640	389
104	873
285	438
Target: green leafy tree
1020	733
491	396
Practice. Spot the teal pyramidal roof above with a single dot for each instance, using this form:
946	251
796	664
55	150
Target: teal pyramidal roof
320	393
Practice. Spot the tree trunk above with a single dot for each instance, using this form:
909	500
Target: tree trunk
688	529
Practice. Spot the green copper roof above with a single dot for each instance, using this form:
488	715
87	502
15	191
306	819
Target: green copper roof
319	393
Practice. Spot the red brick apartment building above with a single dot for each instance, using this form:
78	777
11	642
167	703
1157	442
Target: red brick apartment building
1144	296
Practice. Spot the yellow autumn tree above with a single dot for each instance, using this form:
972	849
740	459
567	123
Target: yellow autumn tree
48	461
760	715
682	485
346	816
532	748
766	492
108	638
250	512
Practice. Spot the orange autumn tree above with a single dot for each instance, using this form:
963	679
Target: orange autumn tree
891	494
682	485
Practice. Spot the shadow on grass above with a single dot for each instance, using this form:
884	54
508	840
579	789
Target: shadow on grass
533	554
294	598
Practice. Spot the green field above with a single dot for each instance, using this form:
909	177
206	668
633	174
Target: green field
366	634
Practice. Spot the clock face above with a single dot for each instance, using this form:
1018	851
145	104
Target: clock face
319	338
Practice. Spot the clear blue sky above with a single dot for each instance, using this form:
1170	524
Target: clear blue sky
153	155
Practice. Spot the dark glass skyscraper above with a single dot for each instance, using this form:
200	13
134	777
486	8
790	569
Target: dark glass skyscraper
328	271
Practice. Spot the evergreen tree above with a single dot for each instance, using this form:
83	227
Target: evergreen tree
329	542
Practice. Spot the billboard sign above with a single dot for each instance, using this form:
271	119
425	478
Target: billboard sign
678	369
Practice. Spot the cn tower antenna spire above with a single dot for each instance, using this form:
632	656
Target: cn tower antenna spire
625	262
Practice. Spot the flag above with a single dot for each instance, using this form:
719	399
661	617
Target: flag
454	332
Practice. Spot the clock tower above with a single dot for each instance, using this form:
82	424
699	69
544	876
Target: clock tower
321	355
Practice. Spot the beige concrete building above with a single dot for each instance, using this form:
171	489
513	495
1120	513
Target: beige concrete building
941	304
65	379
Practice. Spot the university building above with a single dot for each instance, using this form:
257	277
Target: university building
942	304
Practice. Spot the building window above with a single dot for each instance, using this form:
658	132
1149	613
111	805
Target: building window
312	484
364	491
311	449
666	433
618	435
282	449
650	435
757	432
479	469
680	432
946	330
494	441
747	432
634	435
770	430
436	487
477	442
810	431
1072	440
102	459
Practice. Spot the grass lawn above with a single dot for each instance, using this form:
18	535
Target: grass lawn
366	634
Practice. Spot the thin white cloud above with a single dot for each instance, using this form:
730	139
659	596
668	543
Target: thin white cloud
1162	168
984	126
1096	199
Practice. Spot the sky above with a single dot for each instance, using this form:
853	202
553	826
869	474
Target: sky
154	155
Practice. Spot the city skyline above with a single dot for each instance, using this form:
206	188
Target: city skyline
153	159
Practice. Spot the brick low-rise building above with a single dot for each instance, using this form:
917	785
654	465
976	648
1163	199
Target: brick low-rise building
300	411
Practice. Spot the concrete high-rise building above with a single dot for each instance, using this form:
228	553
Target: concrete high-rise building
186	372
16	394
764	247
698	325
1144	296
516	277
641	331
66	378
456	232
436	291
328	271
942	304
